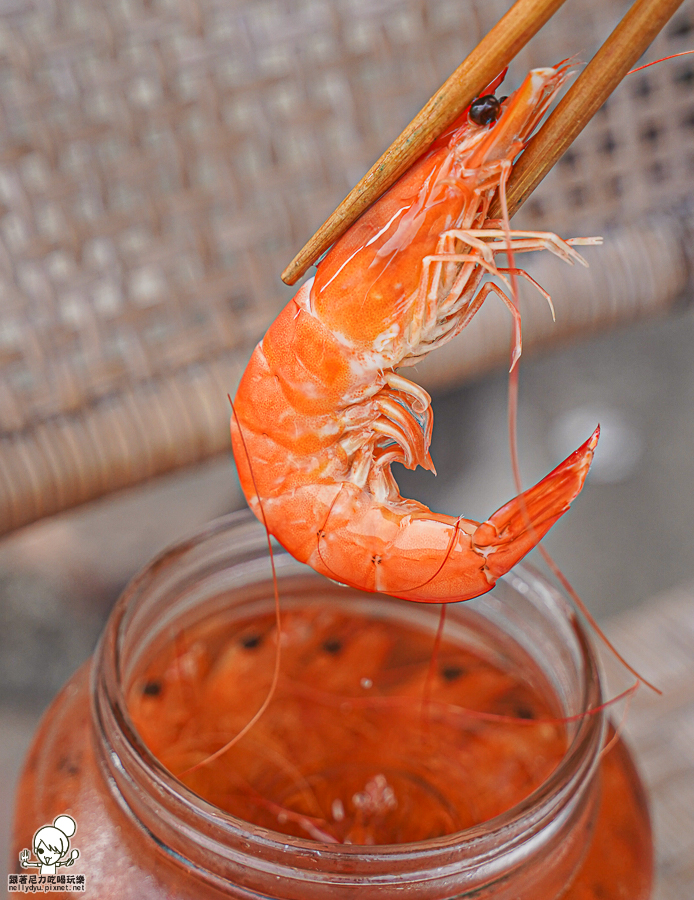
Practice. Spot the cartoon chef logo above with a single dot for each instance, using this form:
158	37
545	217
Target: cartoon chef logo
51	844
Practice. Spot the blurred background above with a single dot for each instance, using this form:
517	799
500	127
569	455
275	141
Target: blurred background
160	164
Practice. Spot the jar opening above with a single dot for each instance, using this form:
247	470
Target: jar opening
216	590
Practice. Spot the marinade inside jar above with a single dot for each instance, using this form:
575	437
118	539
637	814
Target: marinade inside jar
370	737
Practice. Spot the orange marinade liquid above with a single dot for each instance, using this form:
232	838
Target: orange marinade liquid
367	741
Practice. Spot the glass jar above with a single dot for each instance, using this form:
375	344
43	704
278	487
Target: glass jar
583	833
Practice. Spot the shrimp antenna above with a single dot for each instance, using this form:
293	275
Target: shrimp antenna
278	653
571	591
513	446
620	727
662	59
627	695
318	696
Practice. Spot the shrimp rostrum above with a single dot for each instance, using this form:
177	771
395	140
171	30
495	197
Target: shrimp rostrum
321	412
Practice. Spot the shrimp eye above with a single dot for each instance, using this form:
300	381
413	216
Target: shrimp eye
484	110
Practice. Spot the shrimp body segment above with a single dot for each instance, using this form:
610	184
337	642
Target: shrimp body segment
321	412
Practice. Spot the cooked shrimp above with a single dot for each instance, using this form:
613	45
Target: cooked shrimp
321	412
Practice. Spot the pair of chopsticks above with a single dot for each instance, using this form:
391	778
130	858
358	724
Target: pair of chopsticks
593	86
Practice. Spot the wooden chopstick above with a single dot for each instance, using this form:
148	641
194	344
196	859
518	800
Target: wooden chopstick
593	86
607	68
496	50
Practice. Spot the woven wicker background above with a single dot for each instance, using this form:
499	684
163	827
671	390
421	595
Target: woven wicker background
160	163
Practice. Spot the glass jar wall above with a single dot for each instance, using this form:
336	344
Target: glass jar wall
197	627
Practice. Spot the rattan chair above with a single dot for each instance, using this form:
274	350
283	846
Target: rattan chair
160	162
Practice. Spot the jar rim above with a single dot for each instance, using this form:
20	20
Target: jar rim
131	764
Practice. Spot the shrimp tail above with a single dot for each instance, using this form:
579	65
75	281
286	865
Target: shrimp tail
519	525
402	548
429	557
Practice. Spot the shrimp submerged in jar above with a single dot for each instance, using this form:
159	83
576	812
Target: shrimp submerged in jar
321	413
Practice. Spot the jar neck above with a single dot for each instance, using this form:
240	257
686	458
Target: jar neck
529	851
